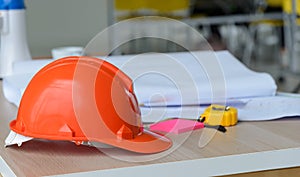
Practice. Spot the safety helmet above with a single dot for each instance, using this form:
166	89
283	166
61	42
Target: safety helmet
85	99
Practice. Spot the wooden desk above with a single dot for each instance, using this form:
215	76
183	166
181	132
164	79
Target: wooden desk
247	147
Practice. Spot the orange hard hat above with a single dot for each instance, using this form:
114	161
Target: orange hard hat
85	99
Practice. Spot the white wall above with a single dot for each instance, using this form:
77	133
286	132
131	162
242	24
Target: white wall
56	23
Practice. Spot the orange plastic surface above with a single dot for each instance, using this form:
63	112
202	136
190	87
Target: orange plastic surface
85	99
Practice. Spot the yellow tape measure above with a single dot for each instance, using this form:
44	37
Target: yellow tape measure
219	115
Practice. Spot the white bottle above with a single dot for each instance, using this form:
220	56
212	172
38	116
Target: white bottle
13	46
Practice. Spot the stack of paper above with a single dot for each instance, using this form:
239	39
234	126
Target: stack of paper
192	78
176	84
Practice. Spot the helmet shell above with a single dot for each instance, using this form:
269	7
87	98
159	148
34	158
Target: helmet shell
84	99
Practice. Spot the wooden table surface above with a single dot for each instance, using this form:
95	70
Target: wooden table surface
40	158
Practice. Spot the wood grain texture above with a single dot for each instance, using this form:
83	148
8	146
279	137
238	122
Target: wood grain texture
41	157
288	172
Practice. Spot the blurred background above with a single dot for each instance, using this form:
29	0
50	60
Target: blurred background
263	34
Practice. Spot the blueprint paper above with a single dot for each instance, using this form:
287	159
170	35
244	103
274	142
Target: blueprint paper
156	89
177	78
30	66
269	108
252	109
14	86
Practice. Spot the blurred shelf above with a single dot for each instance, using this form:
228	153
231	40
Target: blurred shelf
240	18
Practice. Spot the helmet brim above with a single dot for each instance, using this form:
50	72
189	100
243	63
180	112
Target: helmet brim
147	142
